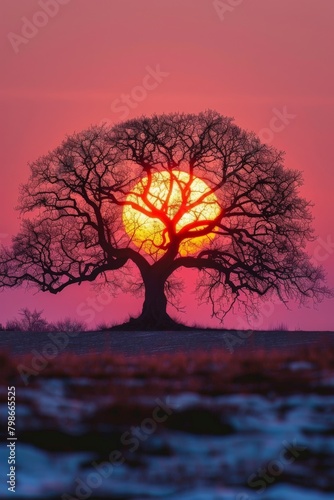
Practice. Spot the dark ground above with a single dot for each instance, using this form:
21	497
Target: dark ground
130	343
234	404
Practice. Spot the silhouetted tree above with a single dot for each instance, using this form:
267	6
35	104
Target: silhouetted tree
30	321
33	321
80	196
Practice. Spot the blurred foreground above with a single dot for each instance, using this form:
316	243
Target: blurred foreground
199	426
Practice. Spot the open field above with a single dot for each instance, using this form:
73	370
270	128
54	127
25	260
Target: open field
210	425
130	343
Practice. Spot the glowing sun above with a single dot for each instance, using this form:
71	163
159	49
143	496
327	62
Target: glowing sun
170	201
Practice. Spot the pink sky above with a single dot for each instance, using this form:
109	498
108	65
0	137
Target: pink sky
252	61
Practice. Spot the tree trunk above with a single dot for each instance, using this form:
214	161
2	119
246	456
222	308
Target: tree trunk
154	312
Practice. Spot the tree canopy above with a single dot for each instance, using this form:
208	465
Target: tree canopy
164	193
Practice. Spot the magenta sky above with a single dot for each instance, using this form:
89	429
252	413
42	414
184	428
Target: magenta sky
252	61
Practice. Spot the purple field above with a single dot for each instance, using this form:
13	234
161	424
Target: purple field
131	343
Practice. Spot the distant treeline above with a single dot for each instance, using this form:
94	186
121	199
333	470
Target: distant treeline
33	321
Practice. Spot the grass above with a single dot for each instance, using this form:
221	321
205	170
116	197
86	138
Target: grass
212	372
281	327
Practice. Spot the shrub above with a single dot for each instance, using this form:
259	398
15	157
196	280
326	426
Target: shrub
33	321
68	325
102	327
281	327
13	326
